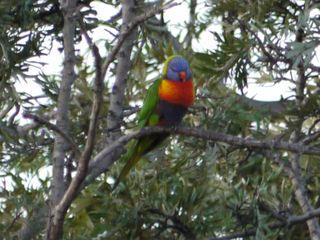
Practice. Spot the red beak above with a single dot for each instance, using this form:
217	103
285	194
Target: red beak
182	76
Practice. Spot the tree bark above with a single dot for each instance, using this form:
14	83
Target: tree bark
115	113
68	8
296	177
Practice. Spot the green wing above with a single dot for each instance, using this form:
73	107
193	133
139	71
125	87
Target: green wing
146	117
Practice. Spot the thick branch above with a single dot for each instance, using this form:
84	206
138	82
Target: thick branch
68	76
115	113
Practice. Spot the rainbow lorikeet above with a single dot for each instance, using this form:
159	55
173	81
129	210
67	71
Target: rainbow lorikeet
165	104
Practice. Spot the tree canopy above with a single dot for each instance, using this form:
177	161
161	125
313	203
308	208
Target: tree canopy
237	167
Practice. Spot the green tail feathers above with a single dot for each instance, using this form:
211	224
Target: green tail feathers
136	150
131	158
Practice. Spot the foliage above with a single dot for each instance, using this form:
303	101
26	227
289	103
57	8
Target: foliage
188	188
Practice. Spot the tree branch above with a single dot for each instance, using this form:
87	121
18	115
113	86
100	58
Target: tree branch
176	222
103	156
54	128
222	137
115	113
290	221
68	8
295	174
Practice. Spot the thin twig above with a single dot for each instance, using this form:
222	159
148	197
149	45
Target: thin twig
16	218
177	224
311	137
54	128
260	43
290	221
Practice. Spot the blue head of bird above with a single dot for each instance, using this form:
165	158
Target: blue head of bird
177	69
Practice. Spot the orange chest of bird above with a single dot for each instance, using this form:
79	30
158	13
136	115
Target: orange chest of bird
180	93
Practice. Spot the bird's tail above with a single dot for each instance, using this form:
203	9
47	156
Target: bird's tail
131	158
136	150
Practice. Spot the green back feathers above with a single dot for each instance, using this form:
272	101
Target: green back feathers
149	105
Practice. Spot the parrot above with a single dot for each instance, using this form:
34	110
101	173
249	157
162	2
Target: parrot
165	104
